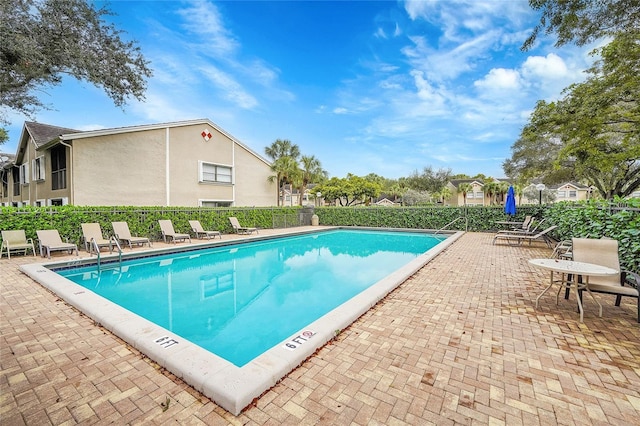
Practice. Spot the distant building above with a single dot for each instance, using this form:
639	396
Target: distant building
186	163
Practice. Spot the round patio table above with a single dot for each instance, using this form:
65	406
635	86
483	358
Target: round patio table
571	267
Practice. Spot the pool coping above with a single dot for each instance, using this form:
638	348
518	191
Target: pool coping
233	388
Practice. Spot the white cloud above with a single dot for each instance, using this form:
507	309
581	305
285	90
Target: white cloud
204	19
499	79
230	88
545	67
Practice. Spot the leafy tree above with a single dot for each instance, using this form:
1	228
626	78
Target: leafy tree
460	176
491	189
311	171
593	133
583	21
284	155
464	188
536	151
44	40
4	136
445	193
349	191
503	188
429	180
532	193
393	189
415	198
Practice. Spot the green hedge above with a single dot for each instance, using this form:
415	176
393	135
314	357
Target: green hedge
142	221
596	219
471	218
593	219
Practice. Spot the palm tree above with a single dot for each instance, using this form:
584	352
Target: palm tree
503	188
286	172
445	193
278	151
311	171
282	148
491	189
464	188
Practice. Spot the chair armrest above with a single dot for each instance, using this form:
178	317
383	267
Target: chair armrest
630	278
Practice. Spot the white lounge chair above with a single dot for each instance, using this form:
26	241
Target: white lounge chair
197	229
16	241
92	231
49	240
516	238
241	229
166	226
123	234
604	252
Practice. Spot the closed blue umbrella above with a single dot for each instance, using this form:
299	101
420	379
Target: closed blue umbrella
510	204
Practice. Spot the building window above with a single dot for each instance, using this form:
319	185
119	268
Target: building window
58	201
212	203
469	195
214	173
562	194
573	194
24	174
479	194
59	167
38	168
15	174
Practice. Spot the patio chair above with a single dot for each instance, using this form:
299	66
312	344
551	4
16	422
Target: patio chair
123	234
166	226
604	252
197	228
241	229
49	240
16	241
530	229
562	250
524	225
92	231
516	238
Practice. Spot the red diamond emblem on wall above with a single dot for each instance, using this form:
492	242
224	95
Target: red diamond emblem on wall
206	135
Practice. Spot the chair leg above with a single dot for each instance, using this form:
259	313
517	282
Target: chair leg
568	289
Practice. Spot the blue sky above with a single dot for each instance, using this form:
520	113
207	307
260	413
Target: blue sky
379	87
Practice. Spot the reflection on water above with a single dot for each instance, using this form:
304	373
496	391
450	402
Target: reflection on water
238	302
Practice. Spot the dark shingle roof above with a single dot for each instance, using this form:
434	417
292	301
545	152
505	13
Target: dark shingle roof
43	133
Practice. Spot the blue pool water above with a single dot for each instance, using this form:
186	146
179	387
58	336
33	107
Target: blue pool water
238	301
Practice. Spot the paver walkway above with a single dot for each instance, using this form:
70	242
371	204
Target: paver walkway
458	343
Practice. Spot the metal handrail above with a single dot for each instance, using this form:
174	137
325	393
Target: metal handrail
115	241
452	222
94	246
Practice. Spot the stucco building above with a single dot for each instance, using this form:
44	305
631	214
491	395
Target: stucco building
187	163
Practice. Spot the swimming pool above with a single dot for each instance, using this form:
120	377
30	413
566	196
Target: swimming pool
238	361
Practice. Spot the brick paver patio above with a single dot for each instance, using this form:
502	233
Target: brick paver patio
458	343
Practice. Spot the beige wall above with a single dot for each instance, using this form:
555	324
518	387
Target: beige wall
457	199
251	177
581	194
44	190
188	148
38	190
121	169
131	169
